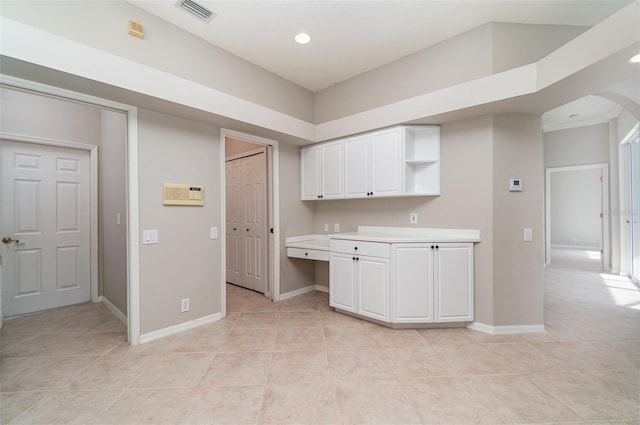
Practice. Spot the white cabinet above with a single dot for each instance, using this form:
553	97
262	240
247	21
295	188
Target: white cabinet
399	161
359	278
433	282
404	283
453	282
321	171
373	164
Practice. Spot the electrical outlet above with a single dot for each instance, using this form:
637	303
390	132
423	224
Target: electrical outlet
336	227
527	235
326	227
413	218
184	305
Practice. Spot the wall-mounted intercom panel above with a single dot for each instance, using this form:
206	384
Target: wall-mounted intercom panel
182	194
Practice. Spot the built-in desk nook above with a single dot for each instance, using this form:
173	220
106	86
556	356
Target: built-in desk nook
395	275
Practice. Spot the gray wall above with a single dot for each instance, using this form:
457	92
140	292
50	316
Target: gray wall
482	51
103	25
183	264
33	115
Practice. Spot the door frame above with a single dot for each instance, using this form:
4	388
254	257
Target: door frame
604	168
132	219
273	209
93	201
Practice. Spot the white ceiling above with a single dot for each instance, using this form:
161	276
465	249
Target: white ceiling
352	37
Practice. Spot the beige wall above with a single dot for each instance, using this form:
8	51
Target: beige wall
482	51
577	146
186	262
517	265
296	218
103	25
113	201
478	156
47	117
465	202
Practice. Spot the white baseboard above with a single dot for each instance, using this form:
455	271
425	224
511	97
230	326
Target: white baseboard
161	333
304	290
115	310
580	247
505	330
297	292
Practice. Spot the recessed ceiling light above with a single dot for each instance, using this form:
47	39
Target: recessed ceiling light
302	38
635	58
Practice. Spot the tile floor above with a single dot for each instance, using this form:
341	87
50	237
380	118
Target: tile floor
297	362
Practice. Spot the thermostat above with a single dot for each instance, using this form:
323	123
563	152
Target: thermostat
515	185
182	194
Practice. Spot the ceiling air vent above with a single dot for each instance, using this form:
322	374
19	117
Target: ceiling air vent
196	9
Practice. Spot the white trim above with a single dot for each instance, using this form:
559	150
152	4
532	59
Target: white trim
606	260
506	329
297	292
575	124
133	247
133	228
115	310
322	288
579	247
273	174
93	185
246	154
185	326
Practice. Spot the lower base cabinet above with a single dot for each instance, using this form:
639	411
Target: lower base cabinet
416	283
433	283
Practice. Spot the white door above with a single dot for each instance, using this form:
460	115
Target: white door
373	287
45	205
332	171
342	282
386	171
253	172
233	222
453	282
310	173
356	167
413	283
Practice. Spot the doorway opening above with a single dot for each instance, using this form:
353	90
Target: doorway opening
576	226
251	238
630	205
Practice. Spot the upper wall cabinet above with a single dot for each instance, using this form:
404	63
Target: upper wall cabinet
321	171
399	161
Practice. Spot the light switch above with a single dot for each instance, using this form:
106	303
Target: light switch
149	237
528	234
213	233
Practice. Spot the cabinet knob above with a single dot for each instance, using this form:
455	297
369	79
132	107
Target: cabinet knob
437	247
355	248
306	254
431	246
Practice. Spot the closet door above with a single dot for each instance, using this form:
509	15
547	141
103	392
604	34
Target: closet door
233	222
253	172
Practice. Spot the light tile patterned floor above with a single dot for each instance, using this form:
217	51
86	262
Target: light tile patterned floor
297	362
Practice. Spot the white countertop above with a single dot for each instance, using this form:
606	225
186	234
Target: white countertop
318	242
386	235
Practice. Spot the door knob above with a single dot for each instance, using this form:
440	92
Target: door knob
8	239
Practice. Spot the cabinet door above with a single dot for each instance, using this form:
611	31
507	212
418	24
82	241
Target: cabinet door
413	283
386	163
453	280
310	173
342	282
356	167
373	287
332	171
